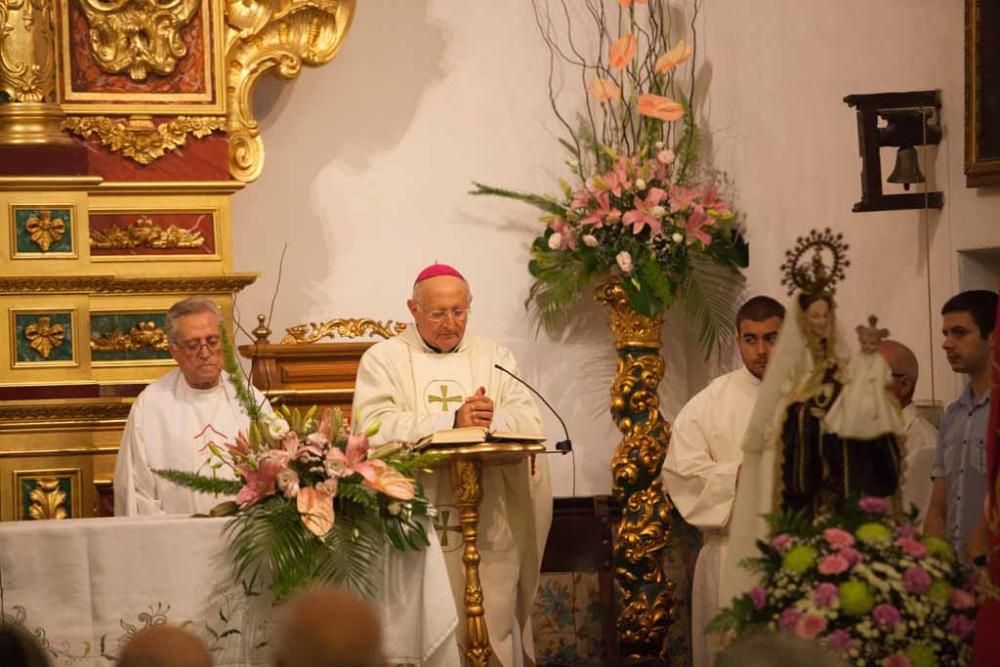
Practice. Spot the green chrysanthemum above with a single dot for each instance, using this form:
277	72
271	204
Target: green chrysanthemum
920	655
856	597
939	592
799	559
874	534
940	548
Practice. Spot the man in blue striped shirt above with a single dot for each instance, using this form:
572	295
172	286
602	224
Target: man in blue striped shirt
959	470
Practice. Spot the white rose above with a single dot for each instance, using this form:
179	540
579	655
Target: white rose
277	428
590	240
659	145
677	237
394	508
335	467
288	482
624	261
555	241
658	211
666	156
640	184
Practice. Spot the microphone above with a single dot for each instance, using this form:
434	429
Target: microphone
563	446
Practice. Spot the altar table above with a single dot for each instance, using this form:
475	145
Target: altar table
84	586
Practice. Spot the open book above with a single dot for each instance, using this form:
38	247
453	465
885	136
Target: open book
473	435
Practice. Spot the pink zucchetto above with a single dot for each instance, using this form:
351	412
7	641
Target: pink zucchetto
435	270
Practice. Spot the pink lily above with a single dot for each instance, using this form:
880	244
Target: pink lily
241	448
682	198
354	460
566	238
315	507
260	482
642	215
603	212
694	226
714	206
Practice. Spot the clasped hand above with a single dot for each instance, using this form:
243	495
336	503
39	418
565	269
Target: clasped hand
476	411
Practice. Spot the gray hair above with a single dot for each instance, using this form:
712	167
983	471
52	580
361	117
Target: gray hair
193	305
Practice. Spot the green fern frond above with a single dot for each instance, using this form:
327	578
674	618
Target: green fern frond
539	202
689	145
560	280
355	492
235	374
200	483
711	297
410	464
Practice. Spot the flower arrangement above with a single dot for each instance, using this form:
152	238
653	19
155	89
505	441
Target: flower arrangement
313	504
863	583
637	209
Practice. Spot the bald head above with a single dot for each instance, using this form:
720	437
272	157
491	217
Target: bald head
905	371
440	309
164	646
328	628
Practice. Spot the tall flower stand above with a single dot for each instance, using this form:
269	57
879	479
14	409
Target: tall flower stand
643	532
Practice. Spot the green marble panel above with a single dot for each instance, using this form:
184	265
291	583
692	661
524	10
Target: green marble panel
43	337
43	231
128	337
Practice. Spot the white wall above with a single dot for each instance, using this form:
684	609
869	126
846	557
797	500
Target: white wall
369	160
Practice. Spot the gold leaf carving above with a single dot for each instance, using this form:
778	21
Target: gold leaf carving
138	137
227	284
138	36
27	50
48	501
44	336
45	230
266	35
143	334
345	328
144	233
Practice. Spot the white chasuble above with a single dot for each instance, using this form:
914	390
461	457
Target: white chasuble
699	474
412	391
168	427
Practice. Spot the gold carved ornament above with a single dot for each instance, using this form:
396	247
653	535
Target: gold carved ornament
27	50
344	327
261	36
138	137
44	336
45	230
48	501
144	233
643	533
138	36
142	335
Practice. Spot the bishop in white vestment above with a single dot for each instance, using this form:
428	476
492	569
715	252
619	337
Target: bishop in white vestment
704	457
433	377
174	418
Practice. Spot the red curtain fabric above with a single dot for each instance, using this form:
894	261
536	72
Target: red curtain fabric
987	646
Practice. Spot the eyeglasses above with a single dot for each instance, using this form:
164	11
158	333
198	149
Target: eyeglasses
457	314
193	347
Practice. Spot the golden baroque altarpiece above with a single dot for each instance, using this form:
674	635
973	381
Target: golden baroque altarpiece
125	128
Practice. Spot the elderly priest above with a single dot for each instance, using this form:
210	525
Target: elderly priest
433	377
174	418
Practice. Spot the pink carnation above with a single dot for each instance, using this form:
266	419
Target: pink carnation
960	626
837	538
852	555
916	579
782	542
886	616
897	660
809	626
906	530
833	564
759	597
873	505
789	618
912	547
962	599
825	594
840	640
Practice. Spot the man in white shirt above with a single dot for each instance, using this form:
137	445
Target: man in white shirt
174	418
921	436
432	377
704	456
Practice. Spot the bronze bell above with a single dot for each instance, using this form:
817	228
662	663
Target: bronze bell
907	169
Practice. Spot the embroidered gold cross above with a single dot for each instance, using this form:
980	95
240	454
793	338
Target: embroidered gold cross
444	399
442	527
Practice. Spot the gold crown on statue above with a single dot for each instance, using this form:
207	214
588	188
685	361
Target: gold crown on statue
816	263
873	329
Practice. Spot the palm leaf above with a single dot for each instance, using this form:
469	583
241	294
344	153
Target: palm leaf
711	297
351	556
560	280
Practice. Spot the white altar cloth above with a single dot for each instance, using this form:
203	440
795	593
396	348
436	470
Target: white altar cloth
84	586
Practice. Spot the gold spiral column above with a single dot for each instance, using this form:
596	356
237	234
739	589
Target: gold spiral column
29	113
643	533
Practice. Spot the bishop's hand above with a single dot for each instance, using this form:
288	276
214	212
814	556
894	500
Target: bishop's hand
476	411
